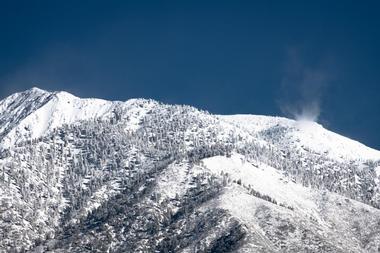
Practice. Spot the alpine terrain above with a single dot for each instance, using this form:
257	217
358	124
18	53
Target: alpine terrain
89	175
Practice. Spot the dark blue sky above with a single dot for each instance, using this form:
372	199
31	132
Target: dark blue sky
258	57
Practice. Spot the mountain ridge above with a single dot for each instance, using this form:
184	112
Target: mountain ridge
247	121
90	175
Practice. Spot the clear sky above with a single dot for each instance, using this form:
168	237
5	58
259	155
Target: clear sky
314	58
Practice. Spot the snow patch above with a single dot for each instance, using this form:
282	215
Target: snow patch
263	179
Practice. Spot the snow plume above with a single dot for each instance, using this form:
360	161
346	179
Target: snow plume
302	88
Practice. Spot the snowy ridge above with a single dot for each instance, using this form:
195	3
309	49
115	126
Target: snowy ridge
62	108
65	108
90	175
16	107
306	134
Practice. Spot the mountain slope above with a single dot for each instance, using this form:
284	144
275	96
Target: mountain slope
89	175
304	135
16	107
53	110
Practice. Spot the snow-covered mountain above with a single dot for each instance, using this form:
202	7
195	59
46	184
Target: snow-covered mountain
89	175
304	135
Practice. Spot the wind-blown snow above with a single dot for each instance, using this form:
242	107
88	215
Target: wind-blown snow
306	135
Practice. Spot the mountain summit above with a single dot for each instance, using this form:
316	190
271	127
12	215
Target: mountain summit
90	175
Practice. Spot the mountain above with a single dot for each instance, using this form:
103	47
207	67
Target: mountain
89	175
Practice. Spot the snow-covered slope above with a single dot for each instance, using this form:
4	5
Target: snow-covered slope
55	109
16	107
315	214
304	135
89	175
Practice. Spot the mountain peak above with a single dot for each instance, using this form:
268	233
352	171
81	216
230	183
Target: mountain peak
36	89
65	95
33	92
71	169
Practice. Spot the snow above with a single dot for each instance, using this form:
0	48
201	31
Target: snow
377	178
100	196
64	108
176	179
136	111
263	179
255	123
377	171
176	172
307	134
324	214
296	204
